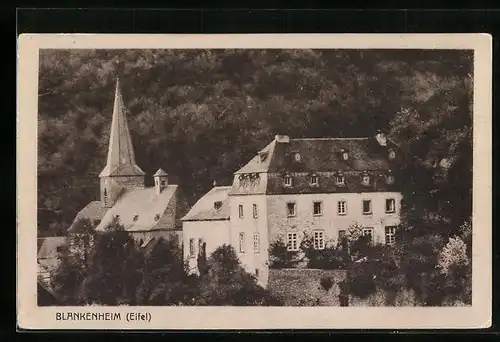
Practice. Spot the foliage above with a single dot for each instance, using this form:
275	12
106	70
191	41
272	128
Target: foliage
227	283
189	108
330	257
119	273
280	256
453	254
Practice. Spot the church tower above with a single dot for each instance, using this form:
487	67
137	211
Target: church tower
121	172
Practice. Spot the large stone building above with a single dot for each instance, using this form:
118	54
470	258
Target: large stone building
296	186
147	212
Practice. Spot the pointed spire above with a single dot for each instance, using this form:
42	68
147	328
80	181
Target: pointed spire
121	158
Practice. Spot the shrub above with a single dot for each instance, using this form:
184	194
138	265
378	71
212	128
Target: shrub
328	258
280	256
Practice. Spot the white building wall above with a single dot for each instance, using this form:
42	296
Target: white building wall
330	221
254	261
213	233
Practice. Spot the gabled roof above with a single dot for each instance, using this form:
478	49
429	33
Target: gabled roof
121	158
141	209
261	162
48	249
322	154
204	209
94	211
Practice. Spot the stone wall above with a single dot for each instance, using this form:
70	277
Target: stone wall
302	287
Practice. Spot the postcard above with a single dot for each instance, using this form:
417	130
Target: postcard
254	181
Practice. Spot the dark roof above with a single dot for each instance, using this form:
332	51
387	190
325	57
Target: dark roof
323	156
326	183
160	172
204	209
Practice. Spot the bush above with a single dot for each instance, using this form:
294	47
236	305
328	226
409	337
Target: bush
280	256
329	258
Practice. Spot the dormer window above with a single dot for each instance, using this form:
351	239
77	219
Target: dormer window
157	217
389	178
344	154
392	154
217	205
314	180
366	179
340	179
296	156
288	180
136	217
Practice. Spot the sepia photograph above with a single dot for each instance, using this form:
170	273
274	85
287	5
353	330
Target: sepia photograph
287	177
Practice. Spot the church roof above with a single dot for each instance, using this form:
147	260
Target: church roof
121	158
205	209
160	172
48	249
143	210
94	211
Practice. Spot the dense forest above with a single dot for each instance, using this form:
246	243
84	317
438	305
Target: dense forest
201	114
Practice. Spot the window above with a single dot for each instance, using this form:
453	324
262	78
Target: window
191	248
368	232
157	217
255	213
342	238
162	183
390	205
345	155
390	235
390	179
339	179
292	242
288	180
366	180
256	242
319	240
217	205
242	242
342	207
367	207
201	247
263	156
314	180
392	155
136	217
257	272
317	208
296	156
290	209
240	211
105	196
60	249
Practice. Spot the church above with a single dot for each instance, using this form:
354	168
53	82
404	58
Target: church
317	186
146	212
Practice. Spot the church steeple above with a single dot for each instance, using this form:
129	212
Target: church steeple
121	158
121	171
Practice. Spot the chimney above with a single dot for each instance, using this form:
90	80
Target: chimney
381	138
282	138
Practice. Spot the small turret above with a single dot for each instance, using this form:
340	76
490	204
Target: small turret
161	180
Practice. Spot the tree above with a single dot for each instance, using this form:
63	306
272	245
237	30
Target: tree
227	283
280	256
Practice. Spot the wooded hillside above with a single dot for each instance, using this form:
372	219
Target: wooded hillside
201	114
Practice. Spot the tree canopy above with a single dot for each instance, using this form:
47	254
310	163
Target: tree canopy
201	114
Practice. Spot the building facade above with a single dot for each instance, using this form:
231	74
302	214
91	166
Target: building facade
146	212
321	187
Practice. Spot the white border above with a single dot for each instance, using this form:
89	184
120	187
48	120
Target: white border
30	316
